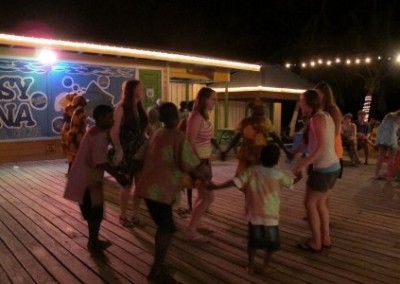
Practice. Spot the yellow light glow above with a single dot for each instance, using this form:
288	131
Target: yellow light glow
123	51
358	61
367	60
260	89
329	63
338	60
304	65
320	61
312	63
287	65
398	58
348	61
379	58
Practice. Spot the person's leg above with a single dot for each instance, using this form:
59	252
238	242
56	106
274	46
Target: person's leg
267	269
135	214
162	216
251	253
124	201
323	209
204	200
379	161
366	152
314	219
189	199
390	163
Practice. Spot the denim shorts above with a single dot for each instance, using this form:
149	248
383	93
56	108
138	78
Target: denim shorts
321	181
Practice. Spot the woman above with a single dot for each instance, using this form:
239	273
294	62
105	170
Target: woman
329	105
199	133
128	135
349	137
319	136
387	142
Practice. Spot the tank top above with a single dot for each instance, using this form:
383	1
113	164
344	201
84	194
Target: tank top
328	156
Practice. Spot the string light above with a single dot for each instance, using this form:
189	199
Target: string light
349	61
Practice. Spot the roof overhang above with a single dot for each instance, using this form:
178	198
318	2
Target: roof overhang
259	89
14	40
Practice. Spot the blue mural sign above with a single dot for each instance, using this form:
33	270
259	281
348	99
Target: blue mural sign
32	94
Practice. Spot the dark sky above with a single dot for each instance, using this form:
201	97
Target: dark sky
250	31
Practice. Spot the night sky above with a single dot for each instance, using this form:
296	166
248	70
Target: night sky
252	31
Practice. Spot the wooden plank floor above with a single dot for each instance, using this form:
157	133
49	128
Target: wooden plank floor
43	236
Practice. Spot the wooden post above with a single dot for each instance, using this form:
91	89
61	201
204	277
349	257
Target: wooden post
226	106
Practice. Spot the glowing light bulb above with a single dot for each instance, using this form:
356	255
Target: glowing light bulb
287	65
47	57
338	60
367	60
358	61
303	65
312	63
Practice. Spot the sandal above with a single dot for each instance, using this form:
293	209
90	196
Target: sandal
307	247
125	222
136	222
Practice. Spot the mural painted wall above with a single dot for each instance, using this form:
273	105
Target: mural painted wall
32	94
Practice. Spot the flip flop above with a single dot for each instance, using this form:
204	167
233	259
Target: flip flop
306	247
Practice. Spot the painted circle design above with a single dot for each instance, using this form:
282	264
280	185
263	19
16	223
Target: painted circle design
38	101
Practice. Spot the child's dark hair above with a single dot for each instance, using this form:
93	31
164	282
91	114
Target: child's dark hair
270	155
168	112
100	111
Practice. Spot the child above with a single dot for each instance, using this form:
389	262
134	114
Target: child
261	185
84	184
167	157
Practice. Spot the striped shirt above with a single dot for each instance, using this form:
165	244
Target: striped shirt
199	132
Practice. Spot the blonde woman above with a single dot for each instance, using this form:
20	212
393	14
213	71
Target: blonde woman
199	133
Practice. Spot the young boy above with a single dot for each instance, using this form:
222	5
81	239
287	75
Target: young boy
84	184
167	157
261	185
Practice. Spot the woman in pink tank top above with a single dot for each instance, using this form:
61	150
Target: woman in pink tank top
199	133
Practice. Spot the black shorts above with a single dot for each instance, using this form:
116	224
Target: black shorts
161	213
263	237
320	181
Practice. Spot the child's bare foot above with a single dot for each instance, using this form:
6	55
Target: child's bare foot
268	270
250	269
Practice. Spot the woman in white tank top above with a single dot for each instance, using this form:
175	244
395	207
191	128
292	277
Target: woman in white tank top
320	138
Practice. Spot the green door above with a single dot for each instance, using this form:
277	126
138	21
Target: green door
151	80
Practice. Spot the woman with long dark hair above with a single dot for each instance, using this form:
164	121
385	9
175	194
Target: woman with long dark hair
128	136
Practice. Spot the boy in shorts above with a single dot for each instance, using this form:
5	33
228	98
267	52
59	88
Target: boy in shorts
84	184
261	185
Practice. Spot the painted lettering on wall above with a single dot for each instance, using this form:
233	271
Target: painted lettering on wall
16	102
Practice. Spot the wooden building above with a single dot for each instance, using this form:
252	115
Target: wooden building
273	84
36	74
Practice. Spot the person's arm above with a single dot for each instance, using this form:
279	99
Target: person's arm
212	186
114	134
232	144
280	143
317	125
121	179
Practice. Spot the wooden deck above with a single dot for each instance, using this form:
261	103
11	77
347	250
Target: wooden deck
43	237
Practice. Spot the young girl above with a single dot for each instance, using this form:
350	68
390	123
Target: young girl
261	185
167	157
